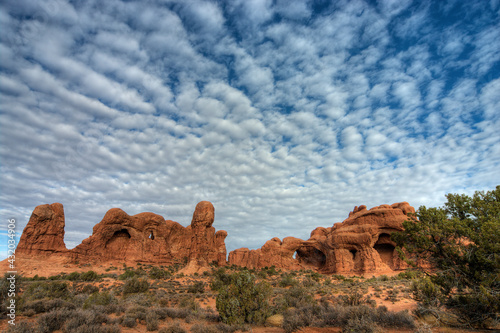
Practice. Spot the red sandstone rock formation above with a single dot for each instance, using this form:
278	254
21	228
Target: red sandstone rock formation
44	233
145	237
359	245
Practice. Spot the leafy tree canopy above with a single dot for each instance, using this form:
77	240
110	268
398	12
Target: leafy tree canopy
461	242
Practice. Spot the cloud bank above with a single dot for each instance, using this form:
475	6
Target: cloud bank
283	115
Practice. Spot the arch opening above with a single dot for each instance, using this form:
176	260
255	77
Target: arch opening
353	252
310	256
152	235
118	244
385	248
121	233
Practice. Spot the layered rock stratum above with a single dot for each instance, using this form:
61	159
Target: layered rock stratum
361	244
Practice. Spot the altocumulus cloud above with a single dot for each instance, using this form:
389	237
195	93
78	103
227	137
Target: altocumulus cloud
284	115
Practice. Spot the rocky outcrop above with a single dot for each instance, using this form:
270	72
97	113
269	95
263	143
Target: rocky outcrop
145	237
360	244
44	233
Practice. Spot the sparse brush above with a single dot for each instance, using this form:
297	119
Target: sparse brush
22	327
135	285
173	328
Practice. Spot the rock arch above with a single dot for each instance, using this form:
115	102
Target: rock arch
385	248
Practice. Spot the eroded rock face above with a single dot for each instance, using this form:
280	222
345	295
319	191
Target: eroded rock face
145	237
360	244
44	233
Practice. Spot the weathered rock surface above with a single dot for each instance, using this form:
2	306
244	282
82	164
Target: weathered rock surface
360	244
44	233
145	237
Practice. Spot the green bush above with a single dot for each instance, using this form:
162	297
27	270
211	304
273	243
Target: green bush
359	325
426	292
41	306
158	273
151	321
50	289
54	320
287	280
74	276
244	300
89	276
128	321
130	273
135	285
97	298
197	288
294	297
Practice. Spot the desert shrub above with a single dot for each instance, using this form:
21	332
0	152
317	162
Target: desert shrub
84	289
197	288
173	328
426	292
287	280
295	319
89	276
225	328
202	328
137	312
309	282
103	298
41	306
359	325
175	313
52	289
97	329
410	274
244	300
74	276
135	285
142	299
393	319
54	320
189	302
158	273
86	321
353	298
128	321
294	297
220	279
22	327
151	321
350	318
130	273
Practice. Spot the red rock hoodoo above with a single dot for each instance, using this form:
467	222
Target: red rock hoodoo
44	233
359	245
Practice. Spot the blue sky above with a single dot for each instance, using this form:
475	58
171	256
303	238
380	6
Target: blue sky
284	114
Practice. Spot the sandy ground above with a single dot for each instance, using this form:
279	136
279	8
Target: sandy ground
29	267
